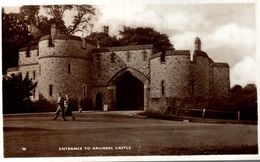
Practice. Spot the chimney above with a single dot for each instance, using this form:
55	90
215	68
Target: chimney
54	30
106	29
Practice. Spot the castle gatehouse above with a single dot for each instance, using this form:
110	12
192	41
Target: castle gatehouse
121	78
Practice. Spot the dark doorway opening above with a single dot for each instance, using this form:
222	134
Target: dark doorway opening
99	102
129	93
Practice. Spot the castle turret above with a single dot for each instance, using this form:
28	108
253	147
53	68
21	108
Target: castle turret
197	44
67	60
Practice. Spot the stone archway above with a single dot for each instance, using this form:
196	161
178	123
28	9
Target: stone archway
125	82
129	93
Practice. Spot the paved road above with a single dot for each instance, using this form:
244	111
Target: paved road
121	133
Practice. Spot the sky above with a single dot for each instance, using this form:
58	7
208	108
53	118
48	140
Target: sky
227	30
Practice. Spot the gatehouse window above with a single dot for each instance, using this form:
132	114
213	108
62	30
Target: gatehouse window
69	69
163	57
39	69
128	56
34	74
162	86
50	90
84	90
112	57
28	52
144	55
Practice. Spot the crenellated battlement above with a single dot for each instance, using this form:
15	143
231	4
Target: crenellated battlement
70	65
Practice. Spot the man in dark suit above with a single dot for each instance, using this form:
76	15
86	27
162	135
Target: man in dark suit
68	107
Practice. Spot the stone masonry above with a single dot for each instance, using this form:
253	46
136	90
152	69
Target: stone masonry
70	65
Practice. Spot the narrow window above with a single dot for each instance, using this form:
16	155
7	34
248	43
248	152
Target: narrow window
163	57
162	86
192	87
37	52
84	91
144	55
50	90
68	68
112	57
34	74
27	73
28	52
39	69
128	56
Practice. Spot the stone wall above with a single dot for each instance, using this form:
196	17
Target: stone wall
174	73
220	81
201	77
28	59
71	66
28	63
107	96
66	67
107	64
64	47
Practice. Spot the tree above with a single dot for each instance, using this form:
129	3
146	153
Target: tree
145	35
103	39
17	88
249	93
14	36
83	14
245	100
30	14
17	91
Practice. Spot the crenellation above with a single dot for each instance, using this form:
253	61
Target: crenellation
145	80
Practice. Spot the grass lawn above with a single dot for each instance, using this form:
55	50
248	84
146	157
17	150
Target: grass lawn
120	134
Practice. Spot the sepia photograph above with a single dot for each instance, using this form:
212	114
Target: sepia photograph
130	79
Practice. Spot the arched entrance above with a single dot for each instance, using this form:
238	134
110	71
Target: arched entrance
129	93
99	101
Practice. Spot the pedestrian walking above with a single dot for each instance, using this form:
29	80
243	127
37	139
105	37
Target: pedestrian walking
68	107
80	104
168	110
60	107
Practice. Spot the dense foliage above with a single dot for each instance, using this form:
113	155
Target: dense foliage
16	92
145	35
133	36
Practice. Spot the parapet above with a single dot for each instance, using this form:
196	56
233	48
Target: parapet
172	53
124	48
200	53
62	37
220	64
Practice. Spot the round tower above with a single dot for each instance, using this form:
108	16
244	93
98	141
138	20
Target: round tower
200	72
197	44
64	66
